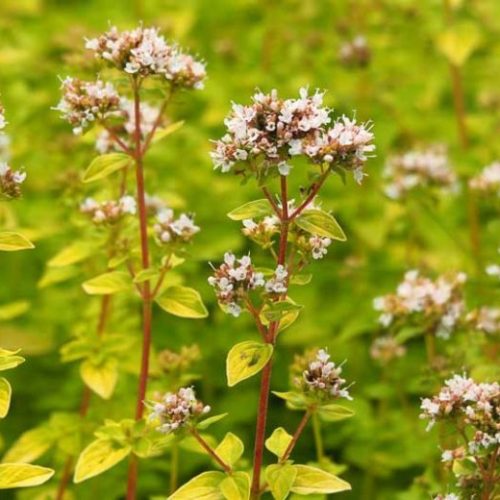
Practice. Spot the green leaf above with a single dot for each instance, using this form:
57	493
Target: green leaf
311	480
107	283
280	310
23	475
280	478
246	359
12	242
203	487
54	275
295	400
230	448
459	42
105	165
101	377
204	424
72	254
182	301
253	209
9	359
236	486
278	442
146	275
161	133
334	413
13	310
320	223
5	395
300	279
98	457
30	446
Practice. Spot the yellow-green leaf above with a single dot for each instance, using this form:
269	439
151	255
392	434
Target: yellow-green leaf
236	486
54	275
320	223
107	283
253	209
246	359
311	480
230	449
182	301
161	133
101	377
459	42
203	487
13	310
9	359
278	442
72	254
334	413
98	457
12	242
5	394
105	165
31	445
23	475
280	478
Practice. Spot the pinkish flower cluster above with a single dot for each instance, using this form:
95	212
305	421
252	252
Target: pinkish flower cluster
262	231
168	229
278	283
386	348
319	246
488	181
84	103
177	410
145	52
485	319
355	52
268	133
233	280
10	181
126	130
322	378
417	169
108	212
435	304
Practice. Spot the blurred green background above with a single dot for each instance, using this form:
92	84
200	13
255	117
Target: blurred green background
404	88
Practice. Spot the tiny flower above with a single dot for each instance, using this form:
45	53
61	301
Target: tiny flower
108	212
278	284
485	319
10	181
488	181
355	52
168	229
319	246
175	411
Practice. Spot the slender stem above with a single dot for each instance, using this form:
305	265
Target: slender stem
63	484
271	201
459	103
157	122
313	192
132	477
227	468
295	438
174	467
318	440
117	139
430	347
256	316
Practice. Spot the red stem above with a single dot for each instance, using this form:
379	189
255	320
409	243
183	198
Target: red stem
271	201
314	191
227	468
298	432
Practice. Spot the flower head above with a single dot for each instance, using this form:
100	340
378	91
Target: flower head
108	212
10	181
176	410
485	319
488	181
168	229
355	52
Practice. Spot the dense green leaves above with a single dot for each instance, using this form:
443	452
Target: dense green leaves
246	359
105	165
182	301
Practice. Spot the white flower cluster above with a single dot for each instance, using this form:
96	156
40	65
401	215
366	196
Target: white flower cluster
154	204
319	246
276	130
323	378
426	168
126	130
168	229
485	319
386	348
84	102
355	52
278	283
176	410
488	181
262	231
145	52
439	302
108	212
10	181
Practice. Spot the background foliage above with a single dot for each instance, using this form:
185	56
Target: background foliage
405	89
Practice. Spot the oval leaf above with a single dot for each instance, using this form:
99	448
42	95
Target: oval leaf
280	479
5	394
31	445
12	242
182	301
105	165
204	486
230	448
72	254
13	310
236	486
23	475
101	378
98	457
246	359
311	480
459	42
278	442
165	132
107	283
334	413
257	208
320	223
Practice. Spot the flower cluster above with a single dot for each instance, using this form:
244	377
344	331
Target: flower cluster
319	246
262	231
10	181
125	131
171	361
485	319
145	52
439	303
271	131
233	280
108	212
84	102
385	349
355	52
177	410
278	283
168	229
426	168
322	378
488	181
